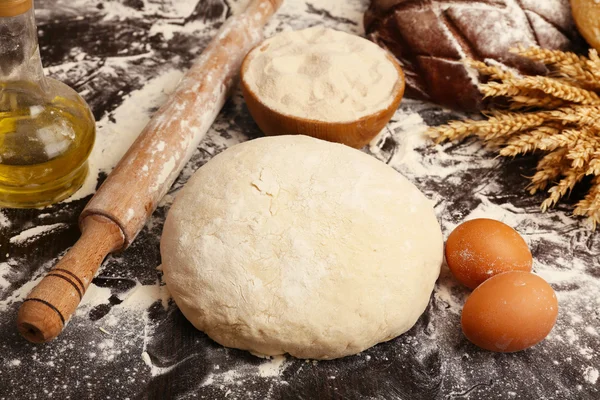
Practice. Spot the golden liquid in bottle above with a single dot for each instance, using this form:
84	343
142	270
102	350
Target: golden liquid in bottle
45	141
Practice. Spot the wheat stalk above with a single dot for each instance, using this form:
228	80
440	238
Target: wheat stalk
534	99
578	115
590	205
550	56
529	141
566	138
578	75
550	167
557	89
507	88
491	71
594	165
576	69
566	185
593	64
557	115
581	151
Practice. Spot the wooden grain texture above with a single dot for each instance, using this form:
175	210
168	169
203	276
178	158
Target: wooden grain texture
51	303
355	134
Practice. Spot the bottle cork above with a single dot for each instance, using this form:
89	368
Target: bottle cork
12	8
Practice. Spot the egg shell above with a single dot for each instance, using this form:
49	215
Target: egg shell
510	312
481	248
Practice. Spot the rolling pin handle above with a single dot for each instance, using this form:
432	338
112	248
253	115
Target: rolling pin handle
47	309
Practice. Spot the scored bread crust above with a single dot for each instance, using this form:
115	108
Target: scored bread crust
431	37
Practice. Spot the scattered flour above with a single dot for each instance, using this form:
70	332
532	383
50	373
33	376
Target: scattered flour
591	375
5	271
34	232
20	293
4	221
14	363
146	358
94	296
591	330
272	367
137	299
141	297
175	10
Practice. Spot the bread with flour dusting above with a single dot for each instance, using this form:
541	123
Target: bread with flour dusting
430	37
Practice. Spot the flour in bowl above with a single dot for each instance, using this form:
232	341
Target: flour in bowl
322	74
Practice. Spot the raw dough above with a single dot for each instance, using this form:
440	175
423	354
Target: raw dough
290	244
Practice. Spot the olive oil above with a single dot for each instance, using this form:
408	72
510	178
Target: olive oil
47	130
44	144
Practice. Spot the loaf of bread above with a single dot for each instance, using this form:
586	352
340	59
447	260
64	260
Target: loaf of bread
431	37
587	18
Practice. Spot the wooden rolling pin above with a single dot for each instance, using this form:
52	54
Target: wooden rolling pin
120	208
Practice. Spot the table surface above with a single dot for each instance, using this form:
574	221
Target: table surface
128	340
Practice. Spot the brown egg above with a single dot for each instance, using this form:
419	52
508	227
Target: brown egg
481	248
509	312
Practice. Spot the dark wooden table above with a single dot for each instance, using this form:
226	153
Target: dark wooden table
125	342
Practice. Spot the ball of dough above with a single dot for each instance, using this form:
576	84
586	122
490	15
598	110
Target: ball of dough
586	14
290	244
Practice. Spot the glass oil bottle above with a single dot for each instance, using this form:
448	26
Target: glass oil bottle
47	130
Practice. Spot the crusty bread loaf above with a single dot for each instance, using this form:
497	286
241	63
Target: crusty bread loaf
586	14
430	37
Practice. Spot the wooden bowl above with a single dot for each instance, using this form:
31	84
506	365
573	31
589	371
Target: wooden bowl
353	133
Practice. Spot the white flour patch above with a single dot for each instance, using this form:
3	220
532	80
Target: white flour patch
130	214
176	10
272	368
447	292
35	232
591	330
137	299
19	294
5	272
344	10
4	221
141	297
591	375
93	297
165	172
